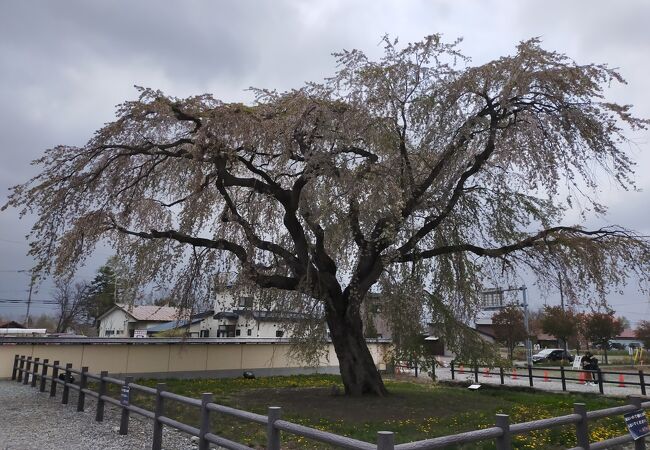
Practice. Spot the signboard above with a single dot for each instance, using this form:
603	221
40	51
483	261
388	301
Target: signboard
139	333
637	424
124	397
577	362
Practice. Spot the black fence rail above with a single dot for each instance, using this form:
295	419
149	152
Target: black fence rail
33	371
561	374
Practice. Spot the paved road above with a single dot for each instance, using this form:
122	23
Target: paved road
31	420
551	385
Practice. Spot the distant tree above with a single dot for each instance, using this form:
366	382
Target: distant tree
71	301
415	168
44	321
559	322
100	295
643	332
601	327
508	325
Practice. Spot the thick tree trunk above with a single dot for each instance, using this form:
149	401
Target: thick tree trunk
358	371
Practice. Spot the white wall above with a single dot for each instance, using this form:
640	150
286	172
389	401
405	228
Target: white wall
116	321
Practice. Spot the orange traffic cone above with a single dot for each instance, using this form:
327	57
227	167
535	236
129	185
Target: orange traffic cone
462	369
514	374
621	380
486	372
546	376
582	378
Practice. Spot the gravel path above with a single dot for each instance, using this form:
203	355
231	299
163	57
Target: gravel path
32	420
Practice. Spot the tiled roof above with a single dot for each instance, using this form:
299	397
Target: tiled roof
151	313
627	333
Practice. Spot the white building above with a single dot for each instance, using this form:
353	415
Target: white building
124	320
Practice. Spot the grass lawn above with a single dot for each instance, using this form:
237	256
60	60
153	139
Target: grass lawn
413	411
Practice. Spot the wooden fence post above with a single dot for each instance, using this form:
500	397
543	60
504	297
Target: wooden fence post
501	375
206	398
41	387
530	375
453	375
156	441
600	381
124	418
83	382
642	382
563	376
55	377
21	366
35	372
99	413
639	444
504	442
14	371
385	440
272	433
582	427
476	373
66	388
27	368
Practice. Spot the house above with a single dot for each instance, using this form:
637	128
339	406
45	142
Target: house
627	339
124	320
14	329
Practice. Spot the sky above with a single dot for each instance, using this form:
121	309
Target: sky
64	66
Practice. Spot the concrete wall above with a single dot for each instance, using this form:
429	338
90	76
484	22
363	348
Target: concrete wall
176	360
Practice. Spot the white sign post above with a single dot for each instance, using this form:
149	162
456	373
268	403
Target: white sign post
577	362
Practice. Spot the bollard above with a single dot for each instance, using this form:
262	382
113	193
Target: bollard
272	433
546	376
83	381
156	440
514	374
621	380
486	372
41	388
385	440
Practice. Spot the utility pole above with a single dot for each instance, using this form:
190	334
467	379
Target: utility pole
559	277
32	279
529	346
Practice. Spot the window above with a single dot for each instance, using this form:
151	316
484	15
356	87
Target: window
237	332
109	333
493	298
245	302
250	332
279	333
204	333
226	331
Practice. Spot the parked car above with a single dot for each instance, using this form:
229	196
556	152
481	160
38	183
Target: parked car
552	354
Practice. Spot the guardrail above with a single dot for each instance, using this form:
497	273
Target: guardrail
533	373
32	371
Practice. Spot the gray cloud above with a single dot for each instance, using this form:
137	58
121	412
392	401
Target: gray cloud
65	65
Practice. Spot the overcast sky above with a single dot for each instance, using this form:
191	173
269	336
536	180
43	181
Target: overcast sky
64	66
